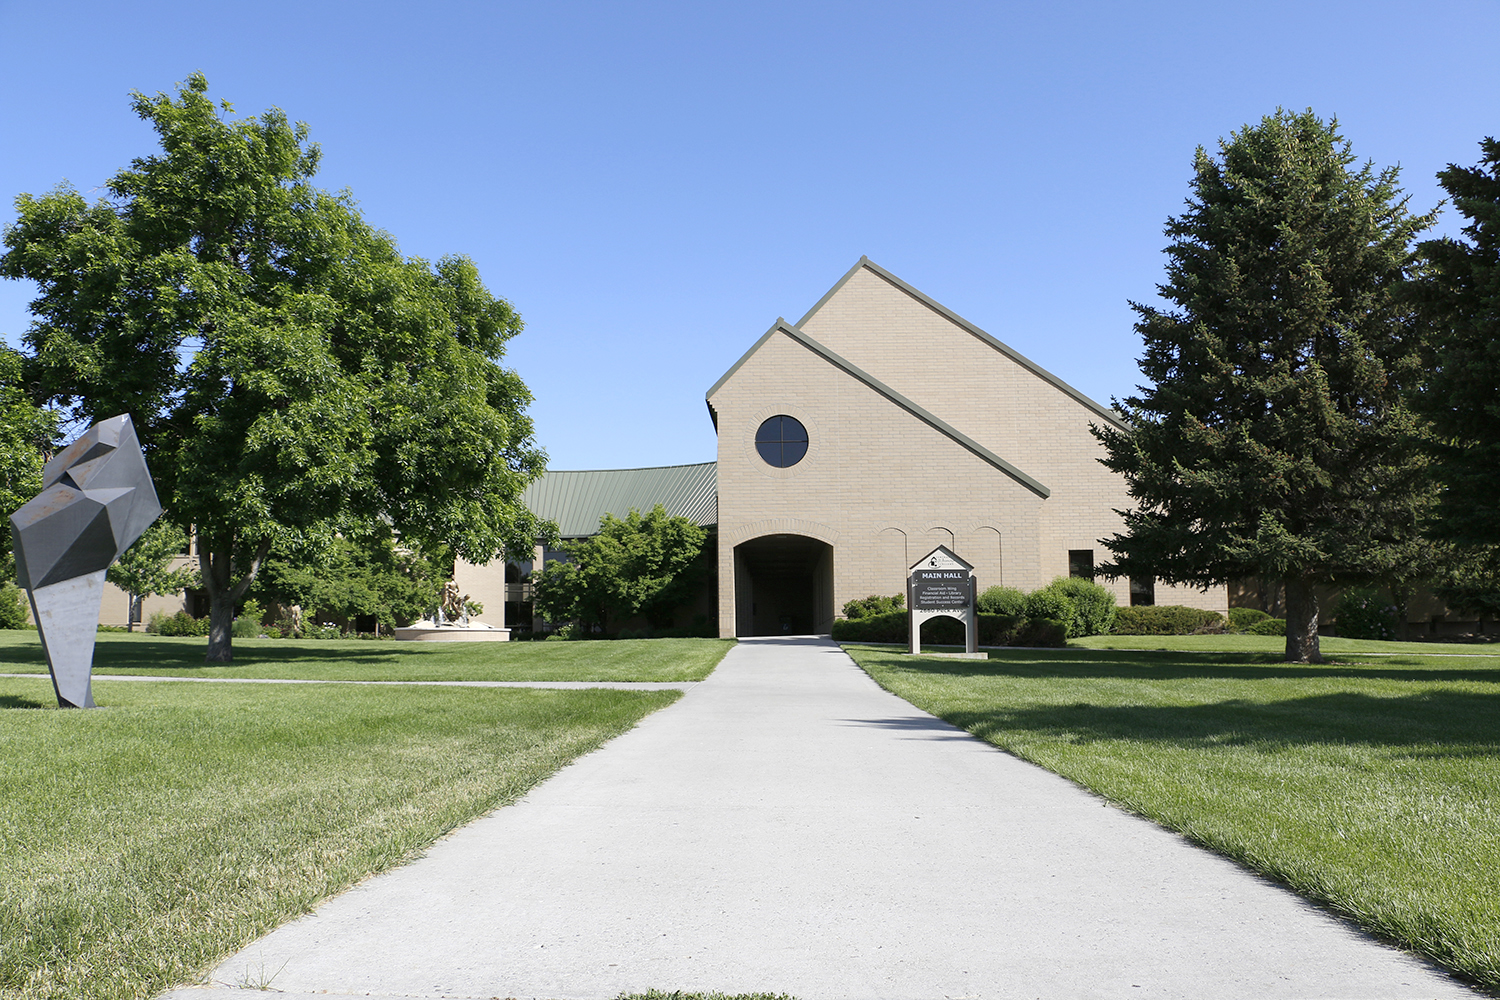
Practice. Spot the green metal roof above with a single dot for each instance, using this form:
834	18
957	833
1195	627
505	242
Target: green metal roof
578	501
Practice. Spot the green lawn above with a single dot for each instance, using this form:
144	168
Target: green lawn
370	660
143	842
1276	645
1371	785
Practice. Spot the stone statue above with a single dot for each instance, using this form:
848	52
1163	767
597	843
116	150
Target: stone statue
96	499
453	606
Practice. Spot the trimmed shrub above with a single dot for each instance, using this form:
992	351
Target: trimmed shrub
12	607
865	607
180	624
327	630
247	625
887	627
1093	606
1363	614
1051	604
1240	619
1042	632
1268	626
1165	619
999	630
999	600
994	630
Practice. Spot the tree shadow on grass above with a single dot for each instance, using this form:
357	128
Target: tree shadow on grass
1431	724
1164	666
145	654
141	652
18	701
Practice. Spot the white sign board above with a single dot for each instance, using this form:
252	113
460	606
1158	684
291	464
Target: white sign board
940	583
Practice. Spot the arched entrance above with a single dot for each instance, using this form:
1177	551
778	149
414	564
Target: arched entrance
783	585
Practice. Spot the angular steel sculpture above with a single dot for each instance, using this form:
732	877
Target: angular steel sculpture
96	499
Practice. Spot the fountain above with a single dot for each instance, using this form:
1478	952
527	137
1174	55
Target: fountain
450	622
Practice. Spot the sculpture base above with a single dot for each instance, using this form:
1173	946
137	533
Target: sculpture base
67	618
472	632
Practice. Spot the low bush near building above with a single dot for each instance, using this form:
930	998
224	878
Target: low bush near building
865	607
1093	607
701	628
327	630
1240	619
1364	614
1168	619
1041	632
999	600
12	607
994	630
1050	604
180	624
1268	626
247	625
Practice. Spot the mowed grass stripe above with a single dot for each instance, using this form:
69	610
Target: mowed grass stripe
370	660
143	842
1371	786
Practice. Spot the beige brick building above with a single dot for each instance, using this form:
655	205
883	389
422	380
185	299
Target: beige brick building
912	428
922	430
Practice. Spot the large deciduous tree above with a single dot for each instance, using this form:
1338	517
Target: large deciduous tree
292	376
1273	439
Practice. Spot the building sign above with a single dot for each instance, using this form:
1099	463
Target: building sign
941	584
940	589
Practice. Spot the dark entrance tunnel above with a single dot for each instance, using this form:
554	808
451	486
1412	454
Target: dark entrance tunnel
783	586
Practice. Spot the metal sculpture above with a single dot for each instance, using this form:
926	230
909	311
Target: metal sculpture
96	499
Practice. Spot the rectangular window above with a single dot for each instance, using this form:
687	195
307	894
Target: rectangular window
1081	563
1142	592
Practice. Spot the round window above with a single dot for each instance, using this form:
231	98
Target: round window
781	441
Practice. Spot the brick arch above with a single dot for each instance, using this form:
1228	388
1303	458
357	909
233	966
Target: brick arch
933	531
780	526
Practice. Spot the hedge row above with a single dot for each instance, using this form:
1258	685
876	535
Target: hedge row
1166	619
994	630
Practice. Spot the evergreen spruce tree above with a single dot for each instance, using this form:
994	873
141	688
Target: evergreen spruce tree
1272	438
1461	291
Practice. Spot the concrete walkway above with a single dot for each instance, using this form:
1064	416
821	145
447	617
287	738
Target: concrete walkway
790	827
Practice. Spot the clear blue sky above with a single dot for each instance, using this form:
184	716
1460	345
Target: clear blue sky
652	184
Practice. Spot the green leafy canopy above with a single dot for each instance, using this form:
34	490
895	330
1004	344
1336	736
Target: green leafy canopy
642	564
27	433
293	377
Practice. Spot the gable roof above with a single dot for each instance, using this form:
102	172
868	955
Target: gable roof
867	264
578	500
921	413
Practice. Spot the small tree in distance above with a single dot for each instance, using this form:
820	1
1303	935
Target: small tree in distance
1273	438
145	569
642	564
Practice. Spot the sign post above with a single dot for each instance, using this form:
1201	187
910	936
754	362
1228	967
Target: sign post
941	584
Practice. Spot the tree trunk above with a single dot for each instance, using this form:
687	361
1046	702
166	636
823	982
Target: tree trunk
1301	622
215	566
1401	598
220	628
